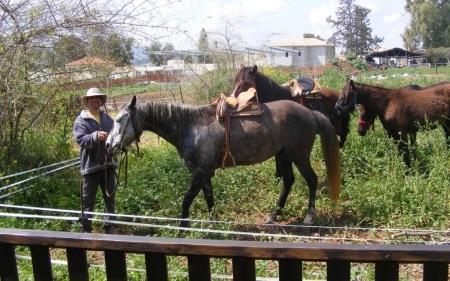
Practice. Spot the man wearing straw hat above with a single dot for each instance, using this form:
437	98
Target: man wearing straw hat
96	166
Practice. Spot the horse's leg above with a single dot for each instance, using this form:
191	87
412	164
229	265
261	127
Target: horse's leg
311	178
209	196
446	126
412	144
277	167
403	148
345	120
198	182
285	168
402	145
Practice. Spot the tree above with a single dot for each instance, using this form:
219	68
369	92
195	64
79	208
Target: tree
311	35
156	52
37	38
353	31
69	48
203	46
113	47
429	26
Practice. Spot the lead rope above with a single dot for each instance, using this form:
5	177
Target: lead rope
83	217
124	158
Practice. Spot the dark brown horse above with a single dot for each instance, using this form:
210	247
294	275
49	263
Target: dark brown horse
268	90
199	139
402	111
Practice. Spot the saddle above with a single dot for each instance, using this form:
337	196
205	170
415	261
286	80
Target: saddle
308	91
230	107
304	87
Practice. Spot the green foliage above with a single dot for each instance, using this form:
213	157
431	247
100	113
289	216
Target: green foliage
276	74
334	79
356	62
210	84
158	59
112	47
429	25
334	61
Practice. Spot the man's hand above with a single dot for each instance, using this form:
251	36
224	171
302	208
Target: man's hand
102	136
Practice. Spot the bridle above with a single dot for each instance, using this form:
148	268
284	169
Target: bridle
352	105
137	129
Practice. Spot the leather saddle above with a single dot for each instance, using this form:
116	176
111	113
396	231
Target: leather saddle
236	107
230	107
304	87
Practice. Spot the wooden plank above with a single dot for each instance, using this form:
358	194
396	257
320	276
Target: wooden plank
435	271
338	270
220	248
386	271
199	268
77	264
156	267
42	266
116	265
290	270
244	269
8	262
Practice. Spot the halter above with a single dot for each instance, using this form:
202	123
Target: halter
367	123
346	108
137	130
138	133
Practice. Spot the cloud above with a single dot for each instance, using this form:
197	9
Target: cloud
317	16
391	18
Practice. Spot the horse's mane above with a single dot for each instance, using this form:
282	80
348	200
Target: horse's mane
269	89
179	114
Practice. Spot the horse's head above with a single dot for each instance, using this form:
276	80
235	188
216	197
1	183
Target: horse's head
126	129
366	120
244	80
347	98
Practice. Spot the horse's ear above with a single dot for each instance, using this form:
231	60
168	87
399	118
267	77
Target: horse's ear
254	69
242	66
133	102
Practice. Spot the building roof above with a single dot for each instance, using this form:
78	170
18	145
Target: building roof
89	61
295	42
397	53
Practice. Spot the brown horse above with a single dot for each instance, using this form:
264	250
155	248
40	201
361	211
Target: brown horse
402	111
199	139
268	90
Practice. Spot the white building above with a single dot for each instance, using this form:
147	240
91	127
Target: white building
301	52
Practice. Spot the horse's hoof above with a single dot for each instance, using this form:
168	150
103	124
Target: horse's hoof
308	220
271	219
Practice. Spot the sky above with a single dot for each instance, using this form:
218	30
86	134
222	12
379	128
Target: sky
261	21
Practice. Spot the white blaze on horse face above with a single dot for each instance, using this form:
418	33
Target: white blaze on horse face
122	134
233	94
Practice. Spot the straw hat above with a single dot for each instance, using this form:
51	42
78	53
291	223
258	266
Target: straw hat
94	92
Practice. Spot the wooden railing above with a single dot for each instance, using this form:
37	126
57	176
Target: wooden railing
338	257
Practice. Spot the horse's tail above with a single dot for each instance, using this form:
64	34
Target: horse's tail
331	153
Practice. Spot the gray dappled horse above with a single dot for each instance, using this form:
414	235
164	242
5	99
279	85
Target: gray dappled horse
199	139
